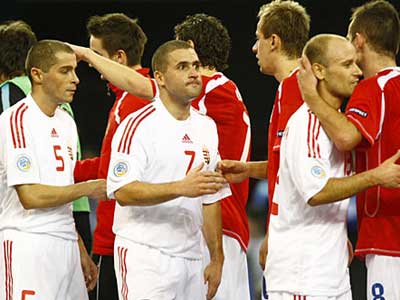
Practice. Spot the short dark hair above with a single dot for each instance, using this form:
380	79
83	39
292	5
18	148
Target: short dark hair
16	38
43	55
210	37
118	31
290	21
159	61
378	21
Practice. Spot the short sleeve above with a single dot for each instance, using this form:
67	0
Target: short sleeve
307	152
128	157
364	110
20	160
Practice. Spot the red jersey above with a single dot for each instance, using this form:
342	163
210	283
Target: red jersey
125	104
221	100
287	100
374	109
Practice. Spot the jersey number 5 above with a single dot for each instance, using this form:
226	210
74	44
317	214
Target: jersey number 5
59	168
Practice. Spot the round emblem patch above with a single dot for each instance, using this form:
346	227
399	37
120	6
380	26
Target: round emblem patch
24	163
120	169
318	172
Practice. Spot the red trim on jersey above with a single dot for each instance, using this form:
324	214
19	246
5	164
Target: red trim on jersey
21	122
308	134
136	126
360	127
236	236
16	124
128	128
318	149
7	246
123	271
12	130
274	208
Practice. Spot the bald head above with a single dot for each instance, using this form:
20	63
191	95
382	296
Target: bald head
322	48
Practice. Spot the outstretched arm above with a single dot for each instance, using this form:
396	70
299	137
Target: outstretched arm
212	230
342	132
121	76
45	196
387	175
236	171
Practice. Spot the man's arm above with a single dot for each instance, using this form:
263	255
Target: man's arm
88	266
342	132
121	76
212	230
44	196
236	171
386	174
196	183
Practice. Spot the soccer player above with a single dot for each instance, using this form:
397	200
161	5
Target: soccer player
38	144
371	127
307	237
281	34
221	100
162	175
121	39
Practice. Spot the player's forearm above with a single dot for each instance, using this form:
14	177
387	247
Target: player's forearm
341	131
337	189
258	169
212	230
121	76
45	196
145	194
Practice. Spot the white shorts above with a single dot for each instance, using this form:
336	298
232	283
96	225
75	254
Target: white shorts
290	296
40	266
383	277
146	273
235	278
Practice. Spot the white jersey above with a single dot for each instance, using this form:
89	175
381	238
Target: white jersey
152	146
36	149
307	246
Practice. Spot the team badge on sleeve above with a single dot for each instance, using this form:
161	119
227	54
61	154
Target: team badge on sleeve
120	168
24	163
318	172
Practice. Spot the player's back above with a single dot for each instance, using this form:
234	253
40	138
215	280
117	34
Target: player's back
222	101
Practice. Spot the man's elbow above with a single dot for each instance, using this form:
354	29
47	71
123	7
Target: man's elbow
345	144
28	203
122	199
314	201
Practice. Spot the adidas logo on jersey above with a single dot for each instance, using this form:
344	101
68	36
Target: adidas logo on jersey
186	139
54	133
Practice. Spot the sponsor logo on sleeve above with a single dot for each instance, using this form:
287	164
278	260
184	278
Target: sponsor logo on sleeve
318	172
121	168
358	111
24	163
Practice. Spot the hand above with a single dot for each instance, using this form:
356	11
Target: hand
351	252
197	183
212	276
80	52
262	259
234	171
90	271
387	174
307	80
98	189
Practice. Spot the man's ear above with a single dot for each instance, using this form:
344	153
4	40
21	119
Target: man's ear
159	77
121	57
275	42
36	74
191	43
359	41
318	70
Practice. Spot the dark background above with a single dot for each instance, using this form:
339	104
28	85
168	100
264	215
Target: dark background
65	20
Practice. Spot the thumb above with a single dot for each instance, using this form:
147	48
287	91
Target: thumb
394	158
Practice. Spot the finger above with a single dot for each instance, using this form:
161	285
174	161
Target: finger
199	167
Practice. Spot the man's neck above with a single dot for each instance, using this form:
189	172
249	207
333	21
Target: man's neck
374	62
178	110
47	106
285	68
